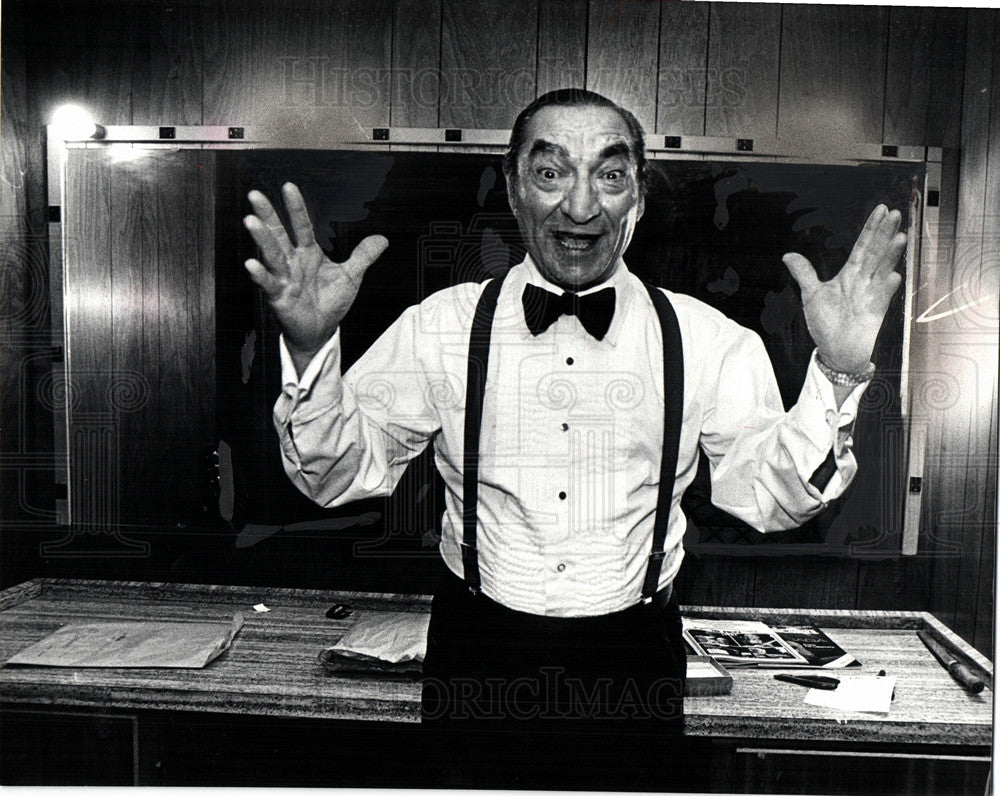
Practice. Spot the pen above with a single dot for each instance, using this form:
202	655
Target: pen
810	680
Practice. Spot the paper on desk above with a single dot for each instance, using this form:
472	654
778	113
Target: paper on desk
188	645
391	636
865	694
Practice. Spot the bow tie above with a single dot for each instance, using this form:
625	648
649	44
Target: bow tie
543	308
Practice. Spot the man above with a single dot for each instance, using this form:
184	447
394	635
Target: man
565	465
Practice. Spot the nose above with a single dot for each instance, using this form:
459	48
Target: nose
580	202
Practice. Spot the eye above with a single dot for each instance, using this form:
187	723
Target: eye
547	174
614	175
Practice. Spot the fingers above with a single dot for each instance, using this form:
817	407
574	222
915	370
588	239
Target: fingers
298	213
271	250
265	212
889	286
364	254
260	275
878	242
802	271
886	265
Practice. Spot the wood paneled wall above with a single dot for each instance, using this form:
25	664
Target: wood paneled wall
308	72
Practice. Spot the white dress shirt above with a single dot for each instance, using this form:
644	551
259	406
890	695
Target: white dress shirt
571	436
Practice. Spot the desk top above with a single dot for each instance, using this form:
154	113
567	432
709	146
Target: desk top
272	667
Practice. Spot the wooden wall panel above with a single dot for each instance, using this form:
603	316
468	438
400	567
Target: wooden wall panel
562	45
28	390
622	55
742	78
808	581
302	73
201	274
89	302
132	384
166	81
84	53
681	74
177	246
923	90
488	53
961	517
717	580
416	54
832	75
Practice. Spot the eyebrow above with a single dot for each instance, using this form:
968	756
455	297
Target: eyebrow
614	150
541	146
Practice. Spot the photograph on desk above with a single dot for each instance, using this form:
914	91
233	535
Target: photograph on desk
750	643
484	359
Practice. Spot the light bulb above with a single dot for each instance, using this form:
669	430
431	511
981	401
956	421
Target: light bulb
74	123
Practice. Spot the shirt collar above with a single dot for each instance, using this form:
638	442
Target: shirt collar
621	279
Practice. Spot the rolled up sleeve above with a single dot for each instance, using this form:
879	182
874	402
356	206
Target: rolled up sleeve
349	437
763	460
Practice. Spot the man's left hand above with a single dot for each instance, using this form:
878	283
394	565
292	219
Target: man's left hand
844	314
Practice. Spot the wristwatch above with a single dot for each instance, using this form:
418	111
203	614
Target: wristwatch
844	379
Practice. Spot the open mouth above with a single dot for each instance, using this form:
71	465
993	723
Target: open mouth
576	241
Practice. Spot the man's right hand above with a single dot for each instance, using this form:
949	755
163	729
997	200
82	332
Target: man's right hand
308	292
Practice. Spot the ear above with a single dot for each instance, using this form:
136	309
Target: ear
511	181
640	207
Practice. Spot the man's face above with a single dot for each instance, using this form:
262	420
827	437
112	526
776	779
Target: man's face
576	193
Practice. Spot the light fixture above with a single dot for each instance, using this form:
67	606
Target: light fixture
74	123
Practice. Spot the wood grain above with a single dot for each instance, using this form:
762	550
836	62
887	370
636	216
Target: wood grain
88	55
562	45
201	278
717	580
682	75
166	81
966	345
272	666
920	109
985	600
416	55
786	581
832	75
305	75
88	218
175	206
622	54
133	389
742	80
487	62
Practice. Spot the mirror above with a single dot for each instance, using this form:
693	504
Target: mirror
173	357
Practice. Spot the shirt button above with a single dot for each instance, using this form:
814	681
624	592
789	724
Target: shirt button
561	567
565	426
569	360
562	495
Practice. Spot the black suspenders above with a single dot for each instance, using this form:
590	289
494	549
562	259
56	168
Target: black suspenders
475	387
673	391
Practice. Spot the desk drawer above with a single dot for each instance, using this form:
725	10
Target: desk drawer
66	748
804	771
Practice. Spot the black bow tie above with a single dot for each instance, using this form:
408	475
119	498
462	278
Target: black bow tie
543	308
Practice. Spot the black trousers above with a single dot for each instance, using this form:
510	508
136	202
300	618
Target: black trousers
518	700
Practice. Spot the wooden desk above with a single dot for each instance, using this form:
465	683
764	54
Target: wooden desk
271	672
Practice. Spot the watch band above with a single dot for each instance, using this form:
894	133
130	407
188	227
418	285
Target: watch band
844	379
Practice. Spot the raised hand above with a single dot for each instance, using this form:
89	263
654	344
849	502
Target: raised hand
309	293
844	314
